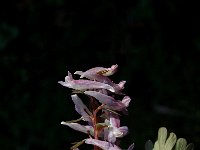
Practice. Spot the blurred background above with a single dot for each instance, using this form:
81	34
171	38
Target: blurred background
155	43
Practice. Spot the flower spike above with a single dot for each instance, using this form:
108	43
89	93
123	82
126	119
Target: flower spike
102	116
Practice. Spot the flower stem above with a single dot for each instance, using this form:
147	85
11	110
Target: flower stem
95	124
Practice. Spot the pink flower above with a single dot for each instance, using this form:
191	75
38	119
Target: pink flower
103	121
114	130
81	128
81	108
98	70
100	74
105	145
102	144
83	85
110	101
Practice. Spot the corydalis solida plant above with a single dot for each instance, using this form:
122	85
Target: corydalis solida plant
103	116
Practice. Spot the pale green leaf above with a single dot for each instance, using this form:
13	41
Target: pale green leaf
156	146
162	136
181	144
171	141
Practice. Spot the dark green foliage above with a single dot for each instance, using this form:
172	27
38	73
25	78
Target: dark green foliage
148	145
155	43
7	33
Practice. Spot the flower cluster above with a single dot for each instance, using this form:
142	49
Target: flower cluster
103	116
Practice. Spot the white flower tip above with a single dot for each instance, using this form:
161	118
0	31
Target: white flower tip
60	82
63	123
121	84
74	96
69	77
126	100
112	90
114	66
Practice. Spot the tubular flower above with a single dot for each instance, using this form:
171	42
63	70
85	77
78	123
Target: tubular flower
103	123
102	144
114	130
80	128
83	85
100	74
106	145
81	108
98	71
110	101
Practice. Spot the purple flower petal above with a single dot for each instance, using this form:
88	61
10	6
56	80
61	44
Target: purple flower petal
93	74
114	130
102	98
114	133
118	87
109	101
80	128
123	130
109	71
126	100
98	70
84	84
114	120
102	144
111	136
81	108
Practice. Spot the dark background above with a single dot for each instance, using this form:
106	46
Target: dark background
155	43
